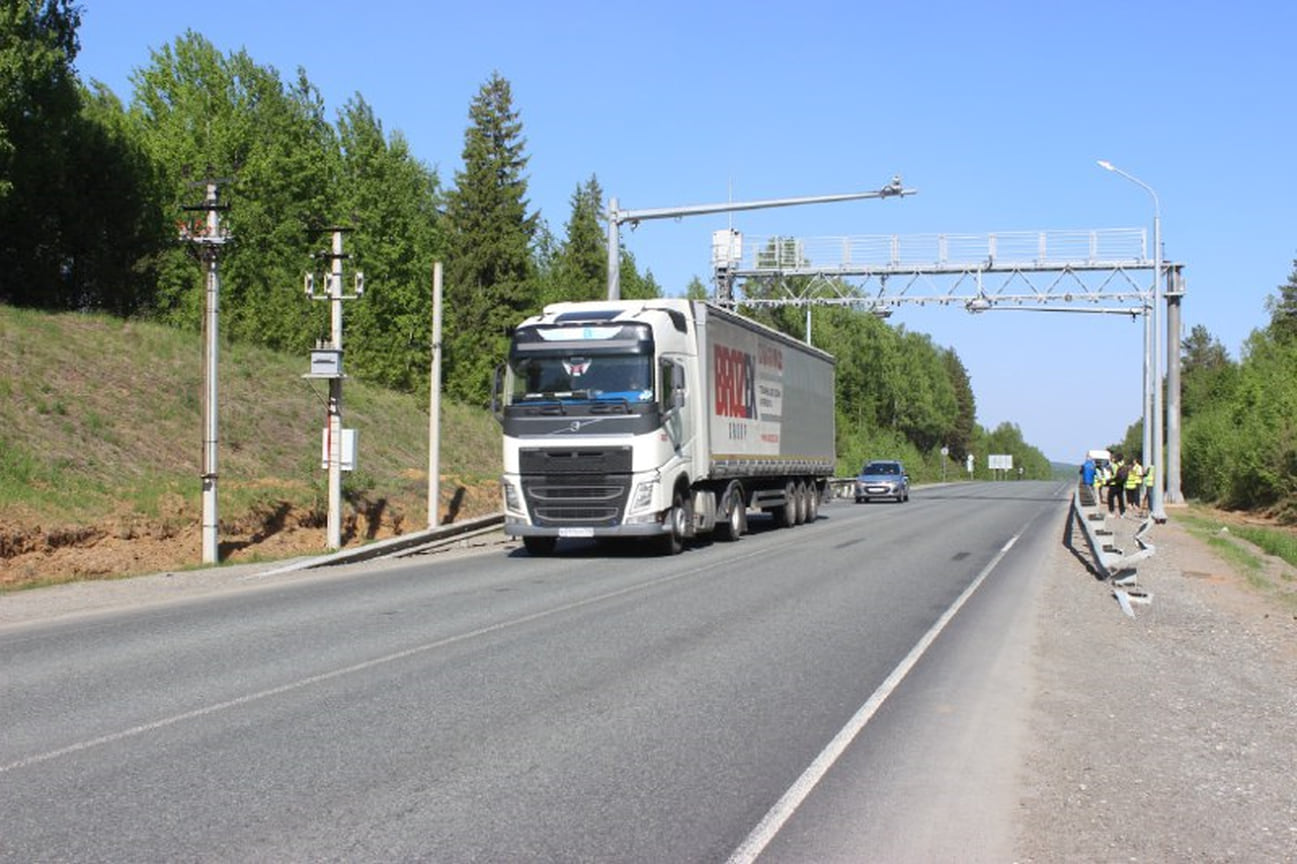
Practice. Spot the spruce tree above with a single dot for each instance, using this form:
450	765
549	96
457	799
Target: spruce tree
581	266
490	274
1283	310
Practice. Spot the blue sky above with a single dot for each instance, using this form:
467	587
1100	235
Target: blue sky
995	112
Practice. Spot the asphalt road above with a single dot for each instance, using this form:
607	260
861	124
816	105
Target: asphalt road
803	694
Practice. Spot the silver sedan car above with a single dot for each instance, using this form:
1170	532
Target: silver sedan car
883	479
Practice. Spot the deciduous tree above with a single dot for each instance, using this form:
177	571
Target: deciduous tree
391	200
39	112
204	115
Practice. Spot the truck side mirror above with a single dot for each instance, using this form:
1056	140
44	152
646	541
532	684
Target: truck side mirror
497	401
678	385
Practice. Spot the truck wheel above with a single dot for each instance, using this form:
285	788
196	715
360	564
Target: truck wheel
539	547
732	528
788	512
803	502
812	502
673	542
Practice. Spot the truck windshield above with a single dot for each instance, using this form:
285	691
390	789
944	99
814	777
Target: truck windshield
545	377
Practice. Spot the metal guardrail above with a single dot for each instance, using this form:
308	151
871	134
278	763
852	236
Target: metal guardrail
393	546
1114	564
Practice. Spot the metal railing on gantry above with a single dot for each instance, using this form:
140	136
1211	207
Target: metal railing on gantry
978	271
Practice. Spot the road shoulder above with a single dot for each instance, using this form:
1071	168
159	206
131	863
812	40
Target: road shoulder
1167	736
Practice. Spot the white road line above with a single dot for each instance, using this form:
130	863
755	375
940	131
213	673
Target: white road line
358	667
787	805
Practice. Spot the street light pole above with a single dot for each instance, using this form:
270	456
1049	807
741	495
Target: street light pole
1158	508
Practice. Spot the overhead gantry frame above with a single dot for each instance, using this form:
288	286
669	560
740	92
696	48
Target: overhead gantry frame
1089	271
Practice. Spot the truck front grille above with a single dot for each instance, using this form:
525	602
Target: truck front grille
570	499
576	487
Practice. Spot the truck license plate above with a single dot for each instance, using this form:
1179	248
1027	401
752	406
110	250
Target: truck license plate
576	532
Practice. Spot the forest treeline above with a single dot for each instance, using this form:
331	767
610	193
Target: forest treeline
94	192
1239	417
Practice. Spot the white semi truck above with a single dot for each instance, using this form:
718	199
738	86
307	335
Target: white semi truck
659	420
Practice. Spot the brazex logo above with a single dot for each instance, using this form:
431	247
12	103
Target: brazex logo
736	382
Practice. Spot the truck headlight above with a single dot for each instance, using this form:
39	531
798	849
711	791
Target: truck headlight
643	497
512	500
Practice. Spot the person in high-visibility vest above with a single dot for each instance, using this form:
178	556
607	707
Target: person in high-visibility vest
1134	480
1148	488
1117	487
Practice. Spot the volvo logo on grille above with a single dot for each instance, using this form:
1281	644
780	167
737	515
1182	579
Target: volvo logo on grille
575	426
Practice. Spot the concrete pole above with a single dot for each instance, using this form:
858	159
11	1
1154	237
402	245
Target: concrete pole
335	401
434	405
1173	494
1146	454
614	250
1159	460
211	345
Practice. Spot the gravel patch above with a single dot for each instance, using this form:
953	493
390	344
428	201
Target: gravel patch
1168	736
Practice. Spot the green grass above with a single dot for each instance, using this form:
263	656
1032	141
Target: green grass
102	418
1238	546
1281	544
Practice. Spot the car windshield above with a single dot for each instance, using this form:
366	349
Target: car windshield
882	468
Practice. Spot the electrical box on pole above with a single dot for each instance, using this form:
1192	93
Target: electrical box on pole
326	363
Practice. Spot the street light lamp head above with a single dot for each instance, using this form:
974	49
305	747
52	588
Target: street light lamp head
1106	165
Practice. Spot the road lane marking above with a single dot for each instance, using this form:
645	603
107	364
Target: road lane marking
205	711
787	805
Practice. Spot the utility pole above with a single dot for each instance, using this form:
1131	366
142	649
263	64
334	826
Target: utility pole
434	404
326	362
208	236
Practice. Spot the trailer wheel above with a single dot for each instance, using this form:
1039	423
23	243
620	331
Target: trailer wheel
787	514
812	502
732	528
673	542
539	547
803	502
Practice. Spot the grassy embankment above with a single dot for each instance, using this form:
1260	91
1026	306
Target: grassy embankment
1243	546
101	436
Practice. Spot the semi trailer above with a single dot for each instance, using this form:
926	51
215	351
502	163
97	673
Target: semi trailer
660	420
